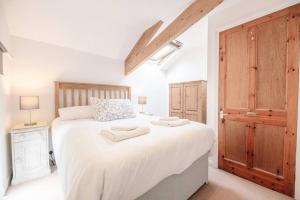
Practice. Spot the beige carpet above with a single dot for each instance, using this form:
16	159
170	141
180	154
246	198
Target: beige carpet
222	186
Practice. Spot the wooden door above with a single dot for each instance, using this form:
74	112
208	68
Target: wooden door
176	100
258	99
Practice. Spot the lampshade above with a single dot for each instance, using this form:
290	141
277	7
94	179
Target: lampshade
29	102
142	100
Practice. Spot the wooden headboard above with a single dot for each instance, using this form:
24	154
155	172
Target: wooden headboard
77	94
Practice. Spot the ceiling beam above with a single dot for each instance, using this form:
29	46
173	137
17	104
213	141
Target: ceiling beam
184	21
144	40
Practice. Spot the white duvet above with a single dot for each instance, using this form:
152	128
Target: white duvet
92	167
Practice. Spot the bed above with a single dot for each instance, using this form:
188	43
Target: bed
166	164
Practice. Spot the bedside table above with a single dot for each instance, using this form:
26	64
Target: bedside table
30	152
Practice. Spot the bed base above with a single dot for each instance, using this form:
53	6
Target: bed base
180	186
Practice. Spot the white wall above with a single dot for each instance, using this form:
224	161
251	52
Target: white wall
4	109
234	14
36	65
5	123
189	66
149	81
4	31
191	62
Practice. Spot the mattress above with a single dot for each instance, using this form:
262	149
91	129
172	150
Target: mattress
93	167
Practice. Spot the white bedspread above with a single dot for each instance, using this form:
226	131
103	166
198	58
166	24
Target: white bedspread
92	167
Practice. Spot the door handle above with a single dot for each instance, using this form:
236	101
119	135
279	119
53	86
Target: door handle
222	114
251	114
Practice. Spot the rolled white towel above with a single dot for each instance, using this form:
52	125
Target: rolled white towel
169	118
176	123
124	128
117	136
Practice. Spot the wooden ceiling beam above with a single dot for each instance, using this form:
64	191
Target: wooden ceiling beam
144	40
184	21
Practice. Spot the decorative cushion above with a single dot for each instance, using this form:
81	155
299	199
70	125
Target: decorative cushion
76	112
111	109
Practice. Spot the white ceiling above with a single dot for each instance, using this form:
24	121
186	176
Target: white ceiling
105	27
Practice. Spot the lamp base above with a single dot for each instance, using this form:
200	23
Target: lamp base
30	124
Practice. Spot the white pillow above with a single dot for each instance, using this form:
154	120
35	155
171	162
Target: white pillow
112	109
76	112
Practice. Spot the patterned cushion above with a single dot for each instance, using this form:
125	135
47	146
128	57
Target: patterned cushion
111	109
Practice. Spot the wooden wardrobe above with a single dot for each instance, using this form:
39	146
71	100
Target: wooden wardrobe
259	66
188	100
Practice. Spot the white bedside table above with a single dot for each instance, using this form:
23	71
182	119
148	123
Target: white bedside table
30	152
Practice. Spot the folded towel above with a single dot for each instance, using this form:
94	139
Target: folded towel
176	123
169	118
117	136
124	128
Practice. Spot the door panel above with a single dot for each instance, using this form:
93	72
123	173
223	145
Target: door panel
269	148
235	141
176	93
237	70
191	96
192	104
271	65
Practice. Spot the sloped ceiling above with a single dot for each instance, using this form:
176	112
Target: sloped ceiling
105	27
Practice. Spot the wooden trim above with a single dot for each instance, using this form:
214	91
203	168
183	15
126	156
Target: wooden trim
292	101
235	110
190	82
264	19
222	69
83	86
252	40
257	176
276	121
260	112
184	21
250	144
80	87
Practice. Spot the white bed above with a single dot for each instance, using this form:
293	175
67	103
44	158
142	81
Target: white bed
92	167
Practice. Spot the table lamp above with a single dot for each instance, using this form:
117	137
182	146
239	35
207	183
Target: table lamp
142	100
29	103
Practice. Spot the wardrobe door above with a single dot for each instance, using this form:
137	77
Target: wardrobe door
192	98
176	100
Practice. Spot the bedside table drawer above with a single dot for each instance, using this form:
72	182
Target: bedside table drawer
35	135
